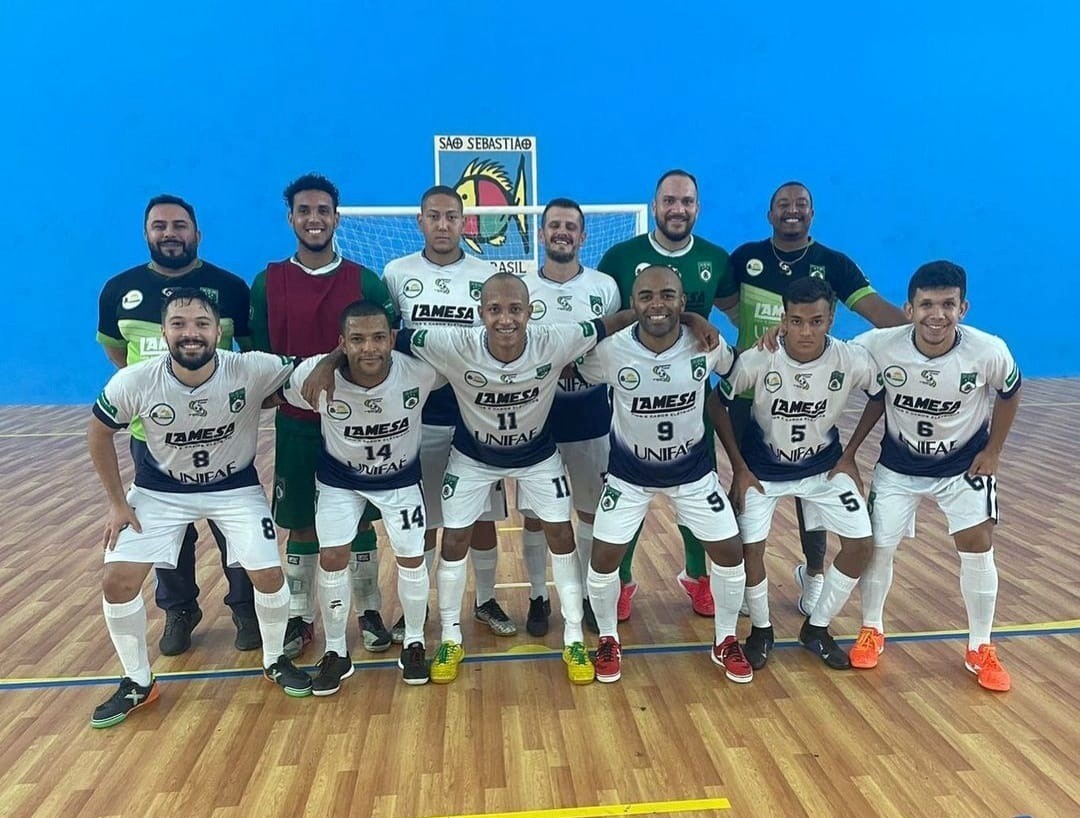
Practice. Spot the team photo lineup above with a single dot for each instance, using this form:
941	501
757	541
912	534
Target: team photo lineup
407	402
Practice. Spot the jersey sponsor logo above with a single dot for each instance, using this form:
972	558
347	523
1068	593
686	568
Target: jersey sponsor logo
920	405
449	485
660	373
338	410
928	448
798	409
704	270
629	378
410	398
442	286
1011	378
754	267
507	398
412	288
539	309
200	437
106	406
419	338
836	381
587	329
968	382
507	377
895	375
203	477
929	376
802	380
798	454
373	405
698	368
596	305
773	381
444	314
150	347
609	499
565	303
543	371
817	271
474	289
237	400
476	379
131	299
664	404
162	414
377	431
197	408
768	312
665	454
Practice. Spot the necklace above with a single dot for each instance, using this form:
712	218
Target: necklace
785	266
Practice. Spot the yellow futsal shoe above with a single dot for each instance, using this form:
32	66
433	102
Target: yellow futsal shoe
579	668
445	664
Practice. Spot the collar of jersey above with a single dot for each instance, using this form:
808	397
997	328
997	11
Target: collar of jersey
436	266
159	274
670	253
487	350
634	334
168	366
319	271
828	343
578	274
956	342
346	382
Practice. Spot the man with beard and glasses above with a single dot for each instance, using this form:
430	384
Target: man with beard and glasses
295	307
129	328
706	279
763	270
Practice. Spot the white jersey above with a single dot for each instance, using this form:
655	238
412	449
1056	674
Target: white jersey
937	410
580	411
200	439
658	432
432	295
504	406
370	436
792	431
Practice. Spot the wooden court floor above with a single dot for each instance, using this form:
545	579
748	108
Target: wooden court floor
915	737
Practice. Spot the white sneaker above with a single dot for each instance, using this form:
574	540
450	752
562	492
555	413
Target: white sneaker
810	586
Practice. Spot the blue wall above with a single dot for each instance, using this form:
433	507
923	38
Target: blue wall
925	129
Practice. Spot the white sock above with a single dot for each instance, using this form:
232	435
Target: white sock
364	578
451	584
126	622
604	597
757	600
273	613
834	593
583	540
300	577
536	558
429	560
728	584
483	564
567	576
334	602
413	585
979	586
874	586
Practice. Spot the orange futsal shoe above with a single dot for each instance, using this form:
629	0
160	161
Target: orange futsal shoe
985	665
868	646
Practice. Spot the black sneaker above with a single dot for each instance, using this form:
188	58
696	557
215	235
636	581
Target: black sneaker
128	697
298	635
413	664
332	669
758	646
495	617
589	618
397	633
248	636
176	638
820	641
285	675
536	623
376	637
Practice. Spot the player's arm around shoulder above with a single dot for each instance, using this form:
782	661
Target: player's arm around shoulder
594	366
292	391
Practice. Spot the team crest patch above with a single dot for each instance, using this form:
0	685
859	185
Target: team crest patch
449	485
773	381
817	271
373	405
410	398
106	407
609	499
412	288
802	380
596	305
543	371
836	381
587	329
895	376
967	382
237	400
197	408
539	309
565	303
660	373
162	414
442	285
338	410
698	368
704	269
419	338
474	289
629	378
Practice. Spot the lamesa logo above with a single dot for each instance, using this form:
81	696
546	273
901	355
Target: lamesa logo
485	183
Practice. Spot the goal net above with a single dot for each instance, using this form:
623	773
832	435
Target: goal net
504	236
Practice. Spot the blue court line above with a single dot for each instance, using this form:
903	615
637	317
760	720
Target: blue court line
534	651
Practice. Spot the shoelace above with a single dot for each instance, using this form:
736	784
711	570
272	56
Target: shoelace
413	654
606	651
492	609
733	651
442	656
866	639
988	659
578	654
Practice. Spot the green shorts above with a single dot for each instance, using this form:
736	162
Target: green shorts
296	452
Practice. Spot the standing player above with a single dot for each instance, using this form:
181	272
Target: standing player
129	327
295	308
440	287
564	291
942	441
370	455
706	279
659	446
763	270
790	448
201	411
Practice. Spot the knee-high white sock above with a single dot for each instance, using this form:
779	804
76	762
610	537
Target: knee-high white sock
757	600
834	593
273	613
604	598
874	585
583	540
536	558
126	622
979	586
364	578
727	583
567	576
413	585
484	564
451	582
429	560
300	577
334	602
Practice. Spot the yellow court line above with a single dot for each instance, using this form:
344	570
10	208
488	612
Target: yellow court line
647	808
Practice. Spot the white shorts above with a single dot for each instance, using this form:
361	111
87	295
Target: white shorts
586	465
435	444
468	483
894	500
243	515
338	512
700	506
833	505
